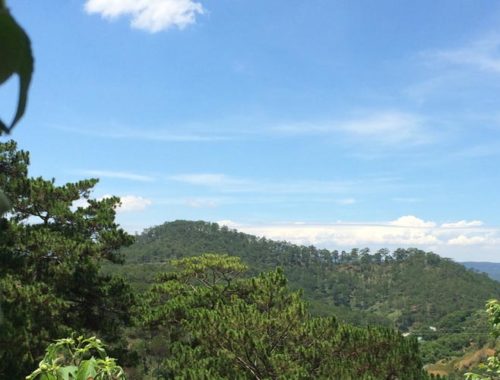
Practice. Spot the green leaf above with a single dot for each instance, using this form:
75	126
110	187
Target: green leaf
48	376
87	369
64	372
15	58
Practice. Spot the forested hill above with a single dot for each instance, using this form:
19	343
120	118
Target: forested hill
409	289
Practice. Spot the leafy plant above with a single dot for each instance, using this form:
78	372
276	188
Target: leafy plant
490	370
77	359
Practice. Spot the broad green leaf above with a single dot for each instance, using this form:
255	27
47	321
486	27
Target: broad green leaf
87	369
65	372
15	58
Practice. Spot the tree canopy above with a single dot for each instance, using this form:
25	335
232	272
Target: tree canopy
212	323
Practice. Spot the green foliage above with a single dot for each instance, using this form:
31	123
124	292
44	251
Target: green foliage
50	258
15	58
211	322
493	310
77	359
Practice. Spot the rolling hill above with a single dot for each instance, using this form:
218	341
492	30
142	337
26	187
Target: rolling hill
414	291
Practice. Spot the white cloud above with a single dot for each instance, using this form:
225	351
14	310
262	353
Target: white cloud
411	222
463	224
403	232
464	240
150	15
117	175
131	203
82	202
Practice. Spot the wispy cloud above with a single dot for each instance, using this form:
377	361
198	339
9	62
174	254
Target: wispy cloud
452	72
405	231
383	127
373	129
388	128
482	54
225	183
117	175
463	224
150	15
157	135
211	180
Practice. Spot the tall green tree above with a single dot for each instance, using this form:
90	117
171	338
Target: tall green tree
51	251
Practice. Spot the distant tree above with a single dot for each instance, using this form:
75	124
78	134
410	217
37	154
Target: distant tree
335	256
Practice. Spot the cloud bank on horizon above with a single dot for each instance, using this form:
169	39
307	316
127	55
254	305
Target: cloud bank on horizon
149	15
452	239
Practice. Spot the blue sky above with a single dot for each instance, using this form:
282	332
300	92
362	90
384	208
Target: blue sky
336	123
